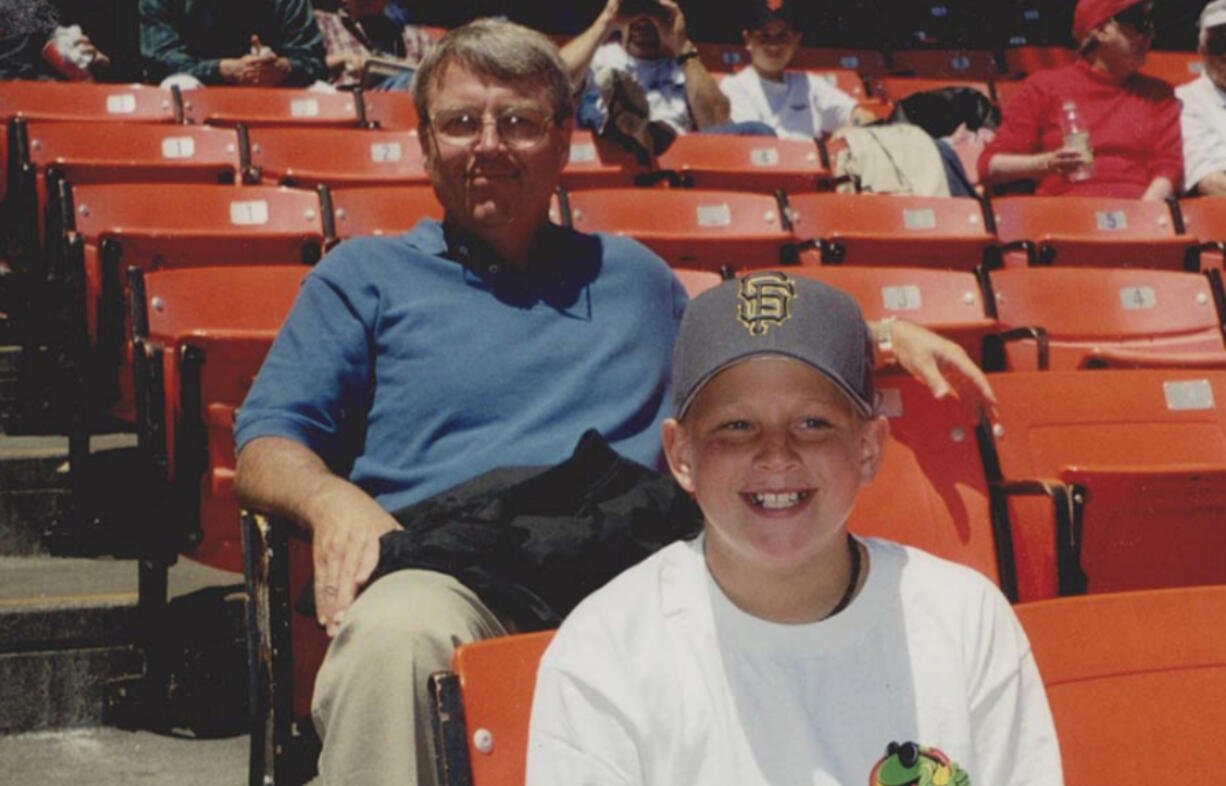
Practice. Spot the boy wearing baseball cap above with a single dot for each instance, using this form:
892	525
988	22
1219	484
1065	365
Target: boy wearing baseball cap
776	647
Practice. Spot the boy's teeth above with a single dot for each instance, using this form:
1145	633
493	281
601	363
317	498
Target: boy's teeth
778	500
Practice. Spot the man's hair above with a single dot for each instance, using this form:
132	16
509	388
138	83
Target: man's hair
21	17
500	49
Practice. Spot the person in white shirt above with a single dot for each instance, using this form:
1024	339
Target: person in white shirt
776	648
797	104
1202	117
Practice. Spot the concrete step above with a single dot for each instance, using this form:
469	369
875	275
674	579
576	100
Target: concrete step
73	648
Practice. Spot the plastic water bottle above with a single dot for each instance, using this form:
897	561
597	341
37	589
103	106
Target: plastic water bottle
1077	136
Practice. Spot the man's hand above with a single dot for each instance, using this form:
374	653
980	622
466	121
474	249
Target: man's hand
261	67
345	549
943	366
673	37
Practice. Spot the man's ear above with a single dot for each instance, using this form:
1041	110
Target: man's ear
677	453
745	38
874	434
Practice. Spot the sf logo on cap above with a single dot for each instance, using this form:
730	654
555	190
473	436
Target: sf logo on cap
765	299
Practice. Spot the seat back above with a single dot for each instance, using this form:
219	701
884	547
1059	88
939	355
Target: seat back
269	106
598	163
390	110
1108	316
1205	220
201	335
1132	673
689	228
1023	60
948	302
1091	231
896	230
895	88
1174	68
862	61
333	157
846	79
697	281
482	709
379	210
930	491
1083	437
744	163
974	64
85	101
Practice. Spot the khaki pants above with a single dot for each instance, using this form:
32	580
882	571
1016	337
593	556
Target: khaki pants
371	707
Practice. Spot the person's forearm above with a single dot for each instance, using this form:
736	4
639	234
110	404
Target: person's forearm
1007	167
1212	184
1159	189
283	477
708	104
578	52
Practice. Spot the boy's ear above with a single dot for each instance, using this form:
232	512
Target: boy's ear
677	453
873	436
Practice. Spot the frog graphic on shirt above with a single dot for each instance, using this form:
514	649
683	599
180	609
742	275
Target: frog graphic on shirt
910	764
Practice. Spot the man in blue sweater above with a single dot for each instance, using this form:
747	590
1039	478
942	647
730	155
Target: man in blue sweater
411	364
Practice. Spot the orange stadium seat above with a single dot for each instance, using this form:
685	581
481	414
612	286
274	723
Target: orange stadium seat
1205	219
972	64
268	106
862	61
697	281
1006	90
1130	470
723	58
1067	318
846	79
482	708
895	230
200	336
689	228
931	491
1136	682
948	302
391	110
598	163
1090	232
1173	67
741	163
893	89
1025	60
312	157
112	228
376	210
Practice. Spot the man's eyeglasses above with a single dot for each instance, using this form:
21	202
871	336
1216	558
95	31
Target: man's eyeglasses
1139	17
519	129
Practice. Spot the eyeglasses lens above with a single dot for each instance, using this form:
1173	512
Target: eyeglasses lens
518	128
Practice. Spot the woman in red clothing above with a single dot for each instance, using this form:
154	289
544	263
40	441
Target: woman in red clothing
1133	120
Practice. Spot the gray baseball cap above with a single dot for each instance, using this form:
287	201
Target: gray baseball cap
772	313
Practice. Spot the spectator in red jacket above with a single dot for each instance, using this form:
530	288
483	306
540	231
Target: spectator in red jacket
1133	120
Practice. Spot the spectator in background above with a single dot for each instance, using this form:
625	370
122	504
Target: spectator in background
1203	117
650	85
237	42
1133	120
34	45
360	30
795	104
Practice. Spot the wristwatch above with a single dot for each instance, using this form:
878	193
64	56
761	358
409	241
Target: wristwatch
883	337
684	56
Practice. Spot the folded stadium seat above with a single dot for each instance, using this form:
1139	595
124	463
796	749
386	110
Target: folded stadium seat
391	110
862	61
689	228
886	229
1204	218
1122	477
697	281
1136	682
481	710
1025	60
893	89
200	335
110	229
962	64
333	157
1090	232
375	210
598	163
1067	318
1175	68
931	491
948	302
268	106
740	163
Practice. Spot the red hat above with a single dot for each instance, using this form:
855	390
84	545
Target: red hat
1092	13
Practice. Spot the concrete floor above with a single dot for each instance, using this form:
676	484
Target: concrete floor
112	757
